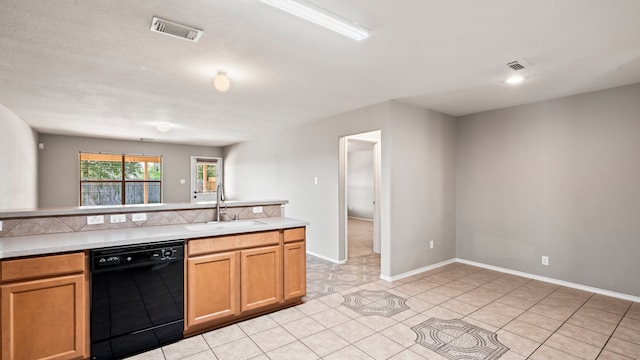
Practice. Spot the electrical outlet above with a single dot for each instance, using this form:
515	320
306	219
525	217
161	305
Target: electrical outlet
545	260
431	244
0	225
257	209
120	218
139	217
95	220
315	180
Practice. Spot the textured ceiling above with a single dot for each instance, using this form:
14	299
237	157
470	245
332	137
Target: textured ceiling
93	68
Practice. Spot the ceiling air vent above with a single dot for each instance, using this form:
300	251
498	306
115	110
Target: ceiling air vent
518	64
174	29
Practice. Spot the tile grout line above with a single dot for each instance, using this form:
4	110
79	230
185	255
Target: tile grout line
564	322
614	331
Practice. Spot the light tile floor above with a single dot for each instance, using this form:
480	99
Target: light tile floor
534	320
360	233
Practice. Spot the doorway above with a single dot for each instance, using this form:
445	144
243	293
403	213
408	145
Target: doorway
206	173
360	194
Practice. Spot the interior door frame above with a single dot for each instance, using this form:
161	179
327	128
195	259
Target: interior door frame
343	214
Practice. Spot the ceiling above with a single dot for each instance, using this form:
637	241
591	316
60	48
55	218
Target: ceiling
93	68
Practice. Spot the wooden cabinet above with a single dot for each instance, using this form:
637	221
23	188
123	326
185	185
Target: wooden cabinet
294	263
261	277
213	289
235	276
44	305
227	275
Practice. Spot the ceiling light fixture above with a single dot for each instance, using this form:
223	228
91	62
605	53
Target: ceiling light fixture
221	82
163	127
321	17
514	80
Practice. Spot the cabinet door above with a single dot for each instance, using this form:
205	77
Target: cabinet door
212	287
261	272
295	280
44	318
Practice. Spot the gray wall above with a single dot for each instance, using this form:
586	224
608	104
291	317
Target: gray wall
360	184
559	178
415	209
58	166
18	162
422	187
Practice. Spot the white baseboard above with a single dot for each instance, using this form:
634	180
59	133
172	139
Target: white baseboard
416	271
326	258
357	218
502	270
552	280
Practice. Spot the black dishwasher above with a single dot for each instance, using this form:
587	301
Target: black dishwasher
137	298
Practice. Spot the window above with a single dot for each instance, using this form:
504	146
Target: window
115	179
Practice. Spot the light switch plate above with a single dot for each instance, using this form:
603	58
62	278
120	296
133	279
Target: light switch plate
431	244
119	218
257	209
95	220
139	217
0	225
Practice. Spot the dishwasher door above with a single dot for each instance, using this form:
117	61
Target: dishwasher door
137	299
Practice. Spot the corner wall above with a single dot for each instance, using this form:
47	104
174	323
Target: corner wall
19	165
58	181
559	178
422	188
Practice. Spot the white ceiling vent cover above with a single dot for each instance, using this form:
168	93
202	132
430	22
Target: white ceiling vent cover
174	29
517	65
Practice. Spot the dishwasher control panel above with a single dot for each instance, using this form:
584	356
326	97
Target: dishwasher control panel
138	255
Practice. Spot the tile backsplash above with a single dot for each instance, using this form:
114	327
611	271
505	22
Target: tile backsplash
76	223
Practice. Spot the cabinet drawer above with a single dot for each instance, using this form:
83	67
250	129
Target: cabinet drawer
232	242
36	267
291	235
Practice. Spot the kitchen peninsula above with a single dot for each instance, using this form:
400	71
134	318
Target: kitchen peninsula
229	270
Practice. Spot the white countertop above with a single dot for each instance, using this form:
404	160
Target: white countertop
17	246
110	209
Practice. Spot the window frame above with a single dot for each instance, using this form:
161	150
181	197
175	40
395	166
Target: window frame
123	181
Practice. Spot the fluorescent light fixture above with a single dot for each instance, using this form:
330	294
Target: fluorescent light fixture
514	80
321	17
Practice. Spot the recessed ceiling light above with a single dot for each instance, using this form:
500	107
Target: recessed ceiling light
163	127
514	80
321	17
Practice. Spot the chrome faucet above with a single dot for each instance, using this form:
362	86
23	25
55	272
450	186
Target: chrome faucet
219	201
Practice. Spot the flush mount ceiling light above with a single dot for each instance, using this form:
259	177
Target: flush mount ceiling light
163	127
321	17
514	80
221	82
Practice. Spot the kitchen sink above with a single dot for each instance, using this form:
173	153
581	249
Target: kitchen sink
223	225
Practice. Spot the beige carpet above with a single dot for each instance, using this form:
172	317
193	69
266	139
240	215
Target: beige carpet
360	233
